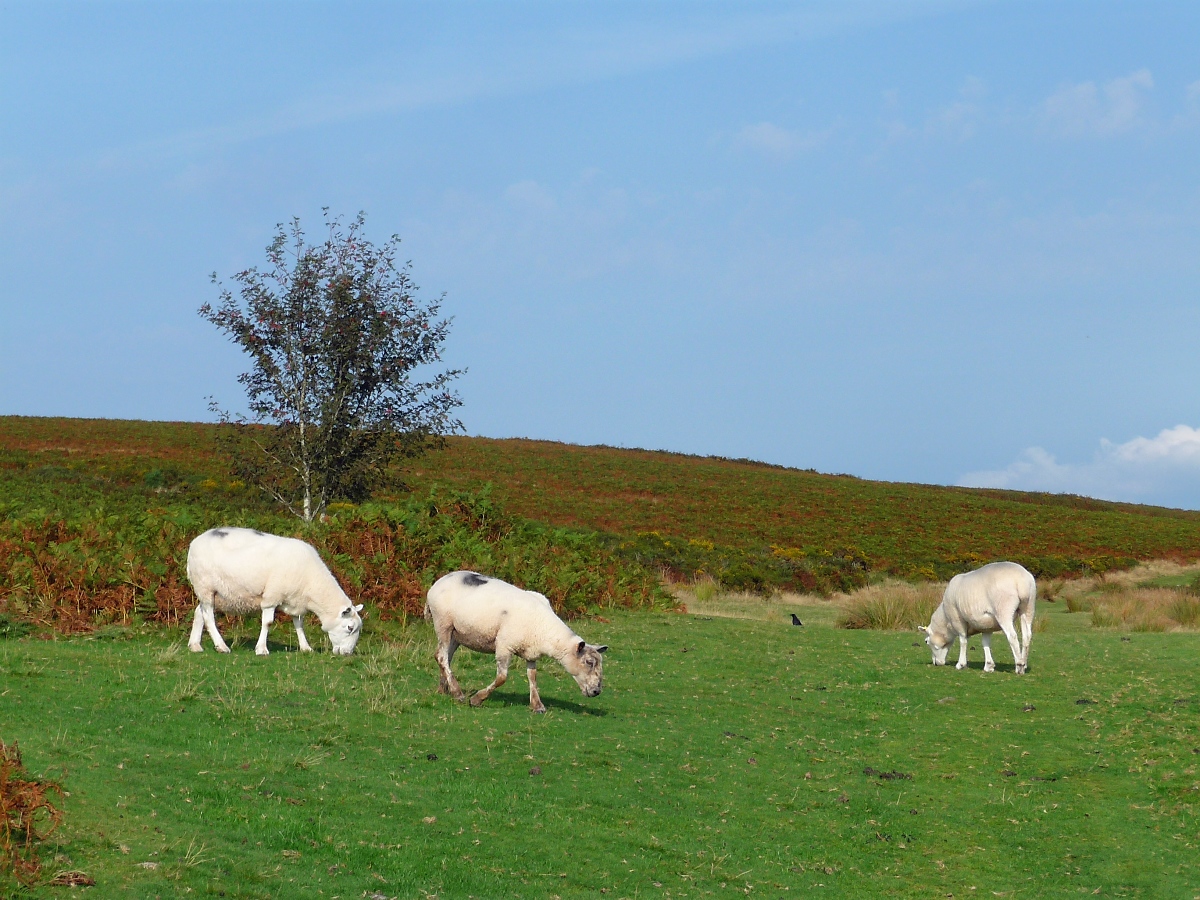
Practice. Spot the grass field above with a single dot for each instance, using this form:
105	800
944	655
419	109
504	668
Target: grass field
730	753
725	757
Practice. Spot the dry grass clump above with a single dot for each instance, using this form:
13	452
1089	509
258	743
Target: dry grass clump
1146	609
27	816
1136	599
890	606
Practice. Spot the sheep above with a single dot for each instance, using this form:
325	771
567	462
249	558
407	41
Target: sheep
492	616
982	602
240	570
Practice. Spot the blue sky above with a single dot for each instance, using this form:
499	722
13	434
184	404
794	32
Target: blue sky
942	242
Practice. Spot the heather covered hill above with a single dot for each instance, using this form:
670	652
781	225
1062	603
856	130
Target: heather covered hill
750	524
740	503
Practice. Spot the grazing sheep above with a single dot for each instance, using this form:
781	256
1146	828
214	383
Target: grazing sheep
491	616
982	602
240	570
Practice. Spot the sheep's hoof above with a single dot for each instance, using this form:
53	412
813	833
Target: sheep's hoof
195	648
477	701
537	709
262	651
990	667
222	649
960	666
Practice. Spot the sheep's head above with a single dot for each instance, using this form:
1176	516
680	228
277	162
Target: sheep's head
345	630
587	667
938	643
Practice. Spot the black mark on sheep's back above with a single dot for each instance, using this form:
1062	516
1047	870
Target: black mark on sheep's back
217	532
471	579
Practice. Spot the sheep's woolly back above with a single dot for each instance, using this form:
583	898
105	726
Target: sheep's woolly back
480	610
240	570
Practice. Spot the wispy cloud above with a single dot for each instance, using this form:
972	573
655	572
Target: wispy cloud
1085	109
485	64
531	195
782	143
1164	470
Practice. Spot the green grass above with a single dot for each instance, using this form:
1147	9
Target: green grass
725	757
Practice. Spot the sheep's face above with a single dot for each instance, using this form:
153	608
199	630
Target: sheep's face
937	646
345	631
589	668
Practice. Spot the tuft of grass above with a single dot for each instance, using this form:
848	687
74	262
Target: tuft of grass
168	655
1184	609
704	590
890	606
1077	603
1146	609
12	628
311	759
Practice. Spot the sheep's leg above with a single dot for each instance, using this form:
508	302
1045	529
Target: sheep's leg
197	630
535	701
1011	634
989	664
502	660
210	622
447	683
1027	634
298	621
963	639
268	616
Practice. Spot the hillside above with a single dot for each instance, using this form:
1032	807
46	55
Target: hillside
683	513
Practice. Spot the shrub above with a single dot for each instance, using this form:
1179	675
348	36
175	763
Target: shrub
27	816
101	570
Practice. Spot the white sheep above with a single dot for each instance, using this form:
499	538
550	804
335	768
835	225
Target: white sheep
239	570
982	602
492	616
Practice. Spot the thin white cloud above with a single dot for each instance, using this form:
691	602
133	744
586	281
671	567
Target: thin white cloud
1085	109
530	194
772	140
475	66
1163	470
1189	117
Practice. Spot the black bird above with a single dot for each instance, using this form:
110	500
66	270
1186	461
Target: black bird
796	620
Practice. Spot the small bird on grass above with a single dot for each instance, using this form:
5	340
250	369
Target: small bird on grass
796	620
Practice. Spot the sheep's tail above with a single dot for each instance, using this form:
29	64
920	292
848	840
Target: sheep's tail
427	614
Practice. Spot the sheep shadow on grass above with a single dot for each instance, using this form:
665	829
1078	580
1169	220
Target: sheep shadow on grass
514	698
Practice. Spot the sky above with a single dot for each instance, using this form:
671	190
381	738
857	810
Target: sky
939	242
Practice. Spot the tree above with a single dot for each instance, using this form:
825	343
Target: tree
339	344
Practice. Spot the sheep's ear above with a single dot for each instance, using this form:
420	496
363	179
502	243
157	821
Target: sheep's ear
922	629
582	646
602	649
358	608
